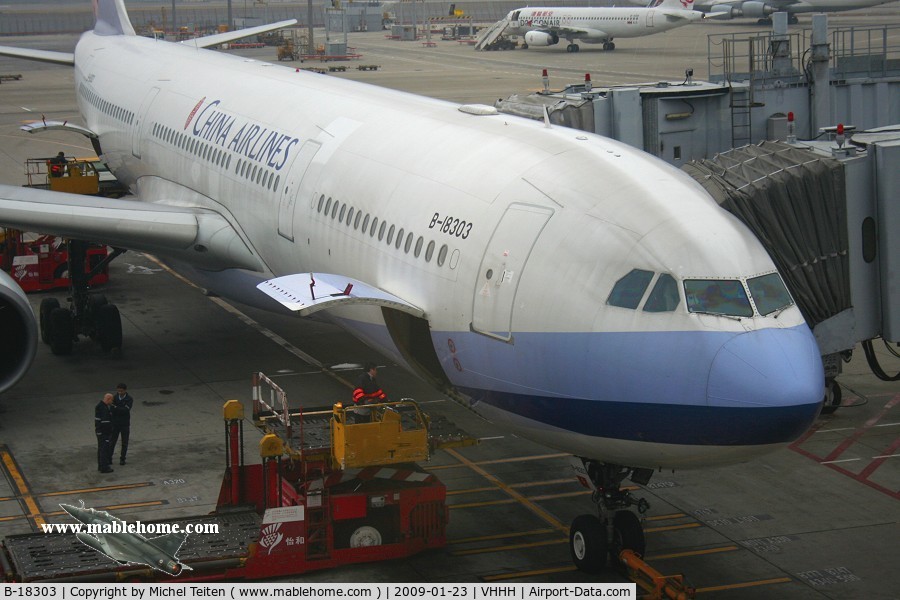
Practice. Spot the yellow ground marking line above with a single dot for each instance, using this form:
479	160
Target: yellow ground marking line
464	463
520	574
115	507
746	584
517	496
693	553
14	473
510	547
666	517
517	486
481	504
500	536
672	527
105	488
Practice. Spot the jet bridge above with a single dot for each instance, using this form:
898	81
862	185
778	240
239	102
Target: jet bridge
756	79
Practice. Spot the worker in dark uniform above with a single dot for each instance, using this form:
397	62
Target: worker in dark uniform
367	391
121	421
103	429
58	165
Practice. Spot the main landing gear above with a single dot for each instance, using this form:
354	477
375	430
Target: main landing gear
596	540
88	314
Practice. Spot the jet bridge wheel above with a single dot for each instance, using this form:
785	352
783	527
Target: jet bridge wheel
588	543
833	396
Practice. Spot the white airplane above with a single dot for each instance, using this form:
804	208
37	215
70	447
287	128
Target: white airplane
763	10
576	290
546	26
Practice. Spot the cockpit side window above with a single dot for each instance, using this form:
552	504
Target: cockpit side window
769	293
629	290
664	296
718	297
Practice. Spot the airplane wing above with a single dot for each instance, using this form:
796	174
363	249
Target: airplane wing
201	237
48	56
707	5
169	543
230	36
570	31
674	16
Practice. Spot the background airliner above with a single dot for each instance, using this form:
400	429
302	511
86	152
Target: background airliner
573	289
546	26
762	10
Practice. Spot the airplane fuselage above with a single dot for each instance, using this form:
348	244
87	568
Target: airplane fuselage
597	25
511	238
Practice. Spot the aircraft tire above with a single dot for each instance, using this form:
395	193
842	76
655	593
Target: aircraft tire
62	331
627	535
95	301
108	324
612	45
365	536
48	305
588	544
833	396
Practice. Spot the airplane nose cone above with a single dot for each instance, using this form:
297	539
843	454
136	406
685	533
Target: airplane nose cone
776	372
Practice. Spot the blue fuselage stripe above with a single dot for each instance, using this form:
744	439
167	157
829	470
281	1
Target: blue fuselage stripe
659	423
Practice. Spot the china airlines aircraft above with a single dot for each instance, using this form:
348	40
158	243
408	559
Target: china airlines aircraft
575	290
546	26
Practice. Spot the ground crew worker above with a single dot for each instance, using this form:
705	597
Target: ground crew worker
58	165
367	391
103	429
121	421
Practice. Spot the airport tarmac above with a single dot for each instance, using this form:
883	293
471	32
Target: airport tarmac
819	519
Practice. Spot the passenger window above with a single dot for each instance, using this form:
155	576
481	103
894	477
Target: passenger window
718	297
664	296
769	293
629	290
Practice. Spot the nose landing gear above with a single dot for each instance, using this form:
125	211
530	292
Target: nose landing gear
595	541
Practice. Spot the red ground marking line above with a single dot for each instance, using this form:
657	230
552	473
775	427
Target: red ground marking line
862	430
862	477
864	481
885	454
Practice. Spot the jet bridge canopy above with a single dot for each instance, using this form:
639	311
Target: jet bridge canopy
794	201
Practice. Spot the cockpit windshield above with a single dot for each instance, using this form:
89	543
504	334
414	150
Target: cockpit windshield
769	293
718	297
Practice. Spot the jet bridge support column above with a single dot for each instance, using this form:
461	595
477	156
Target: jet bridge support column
820	115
